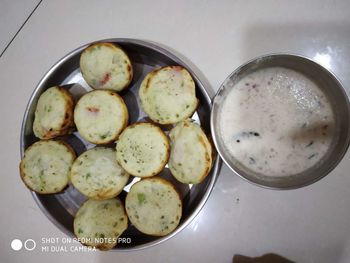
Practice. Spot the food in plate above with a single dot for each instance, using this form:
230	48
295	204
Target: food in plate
143	149
53	113
191	153
154	206
45	166
97	175
100	116
99	223
168	95
277	122
106	66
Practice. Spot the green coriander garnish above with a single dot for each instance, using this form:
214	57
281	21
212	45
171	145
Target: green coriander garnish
141	197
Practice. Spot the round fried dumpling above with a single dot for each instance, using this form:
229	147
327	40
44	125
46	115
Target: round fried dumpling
53	113
100	116
191	153
168	95
46	165
106	66
143	149
99	223
97	174
154	206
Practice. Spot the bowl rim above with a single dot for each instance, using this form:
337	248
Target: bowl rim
215	170
216	136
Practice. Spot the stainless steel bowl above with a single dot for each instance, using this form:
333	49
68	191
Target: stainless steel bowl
332	88
145	56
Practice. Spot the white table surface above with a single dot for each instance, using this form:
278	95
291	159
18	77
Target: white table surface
311	224
12	15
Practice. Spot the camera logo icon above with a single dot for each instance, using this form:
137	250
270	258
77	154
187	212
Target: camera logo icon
17	244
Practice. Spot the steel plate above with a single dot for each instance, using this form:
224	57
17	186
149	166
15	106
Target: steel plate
61	208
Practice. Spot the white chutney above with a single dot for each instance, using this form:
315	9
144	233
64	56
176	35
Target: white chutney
276	122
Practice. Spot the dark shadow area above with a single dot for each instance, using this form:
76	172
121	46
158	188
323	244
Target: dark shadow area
267	258
130	100
321	41
182	189
76	90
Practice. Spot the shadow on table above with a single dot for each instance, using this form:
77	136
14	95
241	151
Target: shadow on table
267	258
325	42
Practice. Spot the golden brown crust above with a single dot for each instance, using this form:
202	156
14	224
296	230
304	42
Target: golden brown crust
125	110
70	148
22	175
68	122
69	117
209	159
104	194
149	77
203	142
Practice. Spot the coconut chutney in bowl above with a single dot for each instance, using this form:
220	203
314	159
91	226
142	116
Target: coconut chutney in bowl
281	121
